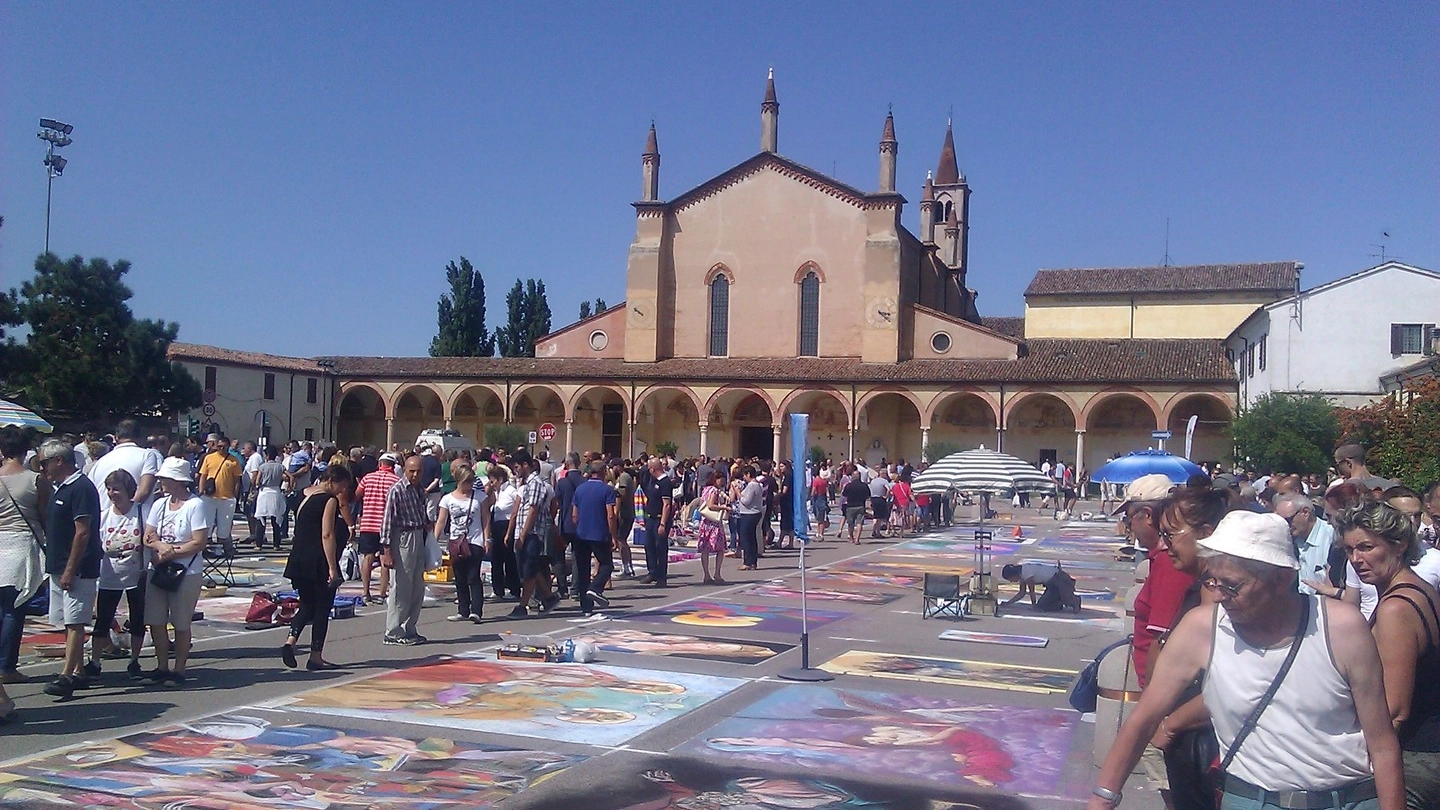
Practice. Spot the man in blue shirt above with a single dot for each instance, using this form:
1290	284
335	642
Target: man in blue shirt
72	558
1313	538
594	511
566	483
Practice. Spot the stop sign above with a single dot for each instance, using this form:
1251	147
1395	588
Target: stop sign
547	432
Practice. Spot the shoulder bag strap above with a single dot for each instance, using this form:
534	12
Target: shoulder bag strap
1254	718
34	535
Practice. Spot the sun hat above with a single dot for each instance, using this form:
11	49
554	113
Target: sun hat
1146	488
176	469
1260	536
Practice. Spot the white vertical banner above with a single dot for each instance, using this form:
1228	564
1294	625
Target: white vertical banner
1190	434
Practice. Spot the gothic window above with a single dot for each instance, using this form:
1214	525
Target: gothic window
810	315
719	316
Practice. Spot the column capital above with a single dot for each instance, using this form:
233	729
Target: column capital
1079	430
704	426
776	429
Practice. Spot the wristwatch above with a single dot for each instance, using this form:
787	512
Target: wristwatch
1108	795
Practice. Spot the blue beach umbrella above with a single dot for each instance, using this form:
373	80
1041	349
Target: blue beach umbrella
1140	463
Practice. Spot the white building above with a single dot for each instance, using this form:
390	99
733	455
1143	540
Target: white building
251	396
1340	338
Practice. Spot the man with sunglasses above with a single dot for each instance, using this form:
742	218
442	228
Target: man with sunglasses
1350	463
1313	539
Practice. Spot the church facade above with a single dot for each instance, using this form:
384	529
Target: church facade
773	289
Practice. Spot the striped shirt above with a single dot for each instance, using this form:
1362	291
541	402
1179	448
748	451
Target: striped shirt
535	494
404	511
373	489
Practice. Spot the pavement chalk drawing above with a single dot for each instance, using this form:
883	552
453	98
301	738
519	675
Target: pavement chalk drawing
857	579
732	615
982	674
251	762
730	651
678	784
596	705
977	637
910	567
772	591
914	739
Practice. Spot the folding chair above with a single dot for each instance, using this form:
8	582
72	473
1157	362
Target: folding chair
942	596
219	554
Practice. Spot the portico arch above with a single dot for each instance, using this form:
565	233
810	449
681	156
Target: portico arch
473	408
887	427
1118	422
1039	426
741	423
417	408
1213	441
668	414
830	422
963	419
600	422
361	418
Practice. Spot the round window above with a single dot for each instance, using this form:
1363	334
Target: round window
940	342
599	340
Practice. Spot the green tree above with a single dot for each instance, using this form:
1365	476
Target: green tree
506	437
936	450
527	319
86	356
1400	434
584	310
461	330
587	309
1293	433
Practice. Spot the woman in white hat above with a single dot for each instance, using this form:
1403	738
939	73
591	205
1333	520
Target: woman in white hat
1319	736
1382	545
176	530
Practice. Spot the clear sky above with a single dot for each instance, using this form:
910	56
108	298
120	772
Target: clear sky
293	177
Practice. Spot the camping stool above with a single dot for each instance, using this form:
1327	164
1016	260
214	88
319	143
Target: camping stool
942	596
218	557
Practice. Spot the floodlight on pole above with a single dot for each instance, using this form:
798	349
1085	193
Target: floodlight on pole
56	134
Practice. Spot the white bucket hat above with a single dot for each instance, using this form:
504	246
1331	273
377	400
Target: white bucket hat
1260	536
176	469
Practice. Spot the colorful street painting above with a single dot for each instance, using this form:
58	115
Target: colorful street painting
982	674
592	704
770	590
684	784
1097	548
669	645
952	545
881	565
855	579
253	760
977	637
1008	591
733	615
1087	565
918	740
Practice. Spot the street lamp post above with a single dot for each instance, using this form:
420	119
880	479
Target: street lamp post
56	134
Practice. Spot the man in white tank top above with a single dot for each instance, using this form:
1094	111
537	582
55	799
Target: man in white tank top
1326	729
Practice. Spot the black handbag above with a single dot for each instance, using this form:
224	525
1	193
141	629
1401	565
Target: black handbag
168	576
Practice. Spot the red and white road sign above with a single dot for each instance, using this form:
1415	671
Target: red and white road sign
547	432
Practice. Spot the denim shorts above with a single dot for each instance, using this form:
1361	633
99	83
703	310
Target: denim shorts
530	557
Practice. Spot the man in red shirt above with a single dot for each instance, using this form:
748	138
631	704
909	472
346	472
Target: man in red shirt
372	491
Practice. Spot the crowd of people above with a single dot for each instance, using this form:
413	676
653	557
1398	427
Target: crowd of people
1287	642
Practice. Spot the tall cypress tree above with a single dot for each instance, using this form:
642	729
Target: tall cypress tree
461	323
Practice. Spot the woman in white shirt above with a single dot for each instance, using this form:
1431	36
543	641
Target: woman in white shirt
122	574
504	569
175	530
461	521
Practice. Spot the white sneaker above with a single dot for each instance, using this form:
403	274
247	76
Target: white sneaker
458	617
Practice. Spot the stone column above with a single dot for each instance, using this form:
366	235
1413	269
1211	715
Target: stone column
389	433
775	447
850	441
1000	440
631	452
704	439
924	442
1079	453
447	423
569	436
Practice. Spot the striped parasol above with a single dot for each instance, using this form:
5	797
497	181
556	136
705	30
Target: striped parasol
12	415
982	470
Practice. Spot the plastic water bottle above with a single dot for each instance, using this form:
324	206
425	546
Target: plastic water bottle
569	655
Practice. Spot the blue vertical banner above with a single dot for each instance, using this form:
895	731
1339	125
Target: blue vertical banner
799	492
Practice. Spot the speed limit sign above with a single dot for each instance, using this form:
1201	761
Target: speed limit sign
208	409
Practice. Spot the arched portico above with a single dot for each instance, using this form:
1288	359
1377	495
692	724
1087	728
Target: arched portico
829	422
1213	441
362	417
1116	423
742	423
965	419
1040	426
887	427
599	421
666	414
417	408
474	408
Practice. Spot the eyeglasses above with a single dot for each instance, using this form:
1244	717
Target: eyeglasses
1224	587
1168	536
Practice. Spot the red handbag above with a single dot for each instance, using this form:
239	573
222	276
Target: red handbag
262	609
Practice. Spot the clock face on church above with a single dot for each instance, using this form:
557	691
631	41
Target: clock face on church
880	313
641	314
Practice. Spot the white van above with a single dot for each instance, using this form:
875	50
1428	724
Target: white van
443	440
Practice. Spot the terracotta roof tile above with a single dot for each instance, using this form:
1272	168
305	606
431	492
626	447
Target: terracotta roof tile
1266	276
195	352
1046	361
947	173
1008	326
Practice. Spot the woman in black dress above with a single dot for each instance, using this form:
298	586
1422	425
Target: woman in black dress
321	530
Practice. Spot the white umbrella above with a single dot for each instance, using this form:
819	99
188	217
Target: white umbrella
982	470
12	414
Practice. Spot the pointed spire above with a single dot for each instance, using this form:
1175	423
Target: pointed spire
952	222
770	92
947	174
929	189
770	117
888	136
650	167
652	146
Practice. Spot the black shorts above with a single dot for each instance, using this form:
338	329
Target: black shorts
530	557
880	507
369	542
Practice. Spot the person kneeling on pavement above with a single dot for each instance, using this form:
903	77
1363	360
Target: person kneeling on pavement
1059	586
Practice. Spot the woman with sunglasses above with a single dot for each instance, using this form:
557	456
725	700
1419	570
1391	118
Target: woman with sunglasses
1382	545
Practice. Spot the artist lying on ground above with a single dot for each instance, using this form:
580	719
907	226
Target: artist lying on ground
1059	586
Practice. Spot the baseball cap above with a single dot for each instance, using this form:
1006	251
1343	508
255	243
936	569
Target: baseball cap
1260	536
176	469
1146	488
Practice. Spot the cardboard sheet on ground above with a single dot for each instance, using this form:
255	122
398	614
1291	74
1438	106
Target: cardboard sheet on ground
733	615
774	591
922	741
670	645
977	637
592	704
260	760
983	674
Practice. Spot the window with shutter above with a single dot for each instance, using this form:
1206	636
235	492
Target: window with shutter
1262	351
719	316
1409	338
810	316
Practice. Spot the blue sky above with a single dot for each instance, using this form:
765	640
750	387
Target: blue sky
292	178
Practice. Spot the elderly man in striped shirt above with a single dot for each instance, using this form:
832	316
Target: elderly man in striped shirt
402	549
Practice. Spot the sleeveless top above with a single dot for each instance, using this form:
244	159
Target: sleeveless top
307	554
26	495
1309	737
1421	730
